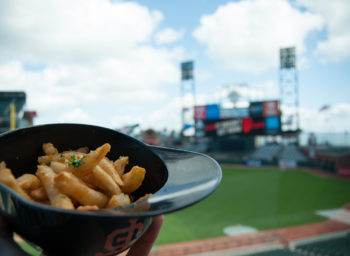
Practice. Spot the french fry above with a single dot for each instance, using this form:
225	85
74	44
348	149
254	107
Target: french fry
2	165
133	179
49	149
57	199
109	168
72	186
88	208
120	164
28	182
58	167
84	150
90	181
47	159
84	179
105	182
7	178
119	200
144	197
39	194
61	157
86	164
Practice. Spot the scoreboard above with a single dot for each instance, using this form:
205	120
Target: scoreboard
260	118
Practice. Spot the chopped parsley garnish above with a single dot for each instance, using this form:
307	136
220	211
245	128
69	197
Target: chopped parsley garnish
75	162
48	163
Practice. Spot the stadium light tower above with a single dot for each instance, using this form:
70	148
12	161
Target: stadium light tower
289	94
188	100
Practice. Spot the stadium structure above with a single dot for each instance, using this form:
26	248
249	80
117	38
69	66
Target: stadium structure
254	136
265	132
239	130
12	114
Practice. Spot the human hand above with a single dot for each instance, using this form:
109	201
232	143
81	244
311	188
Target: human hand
143	246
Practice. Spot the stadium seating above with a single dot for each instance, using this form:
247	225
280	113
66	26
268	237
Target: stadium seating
267	153
339	246
292	152
273	153
336	245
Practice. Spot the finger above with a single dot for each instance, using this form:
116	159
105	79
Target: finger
144	245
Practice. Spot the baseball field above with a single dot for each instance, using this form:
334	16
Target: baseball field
261	198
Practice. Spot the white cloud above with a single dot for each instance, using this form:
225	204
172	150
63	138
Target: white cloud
245	93
76	31
76	116
170	112
333	120
96	62
106	87
169	35
267	90
247	35
337	18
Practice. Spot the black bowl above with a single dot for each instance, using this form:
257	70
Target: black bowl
176	178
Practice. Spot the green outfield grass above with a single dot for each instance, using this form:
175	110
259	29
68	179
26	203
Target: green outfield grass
260	198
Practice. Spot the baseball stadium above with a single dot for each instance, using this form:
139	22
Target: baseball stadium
276	197
175	128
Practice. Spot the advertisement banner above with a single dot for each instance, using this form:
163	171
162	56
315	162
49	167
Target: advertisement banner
270	108
272	123
228	127
200	112
213	112
226	113
344	171
253	126
256	109
261	118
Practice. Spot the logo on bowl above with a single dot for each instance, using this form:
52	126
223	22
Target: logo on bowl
121	238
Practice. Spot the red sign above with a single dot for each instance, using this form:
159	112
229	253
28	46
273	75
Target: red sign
200	112
248	125
270	108
210	127
344	171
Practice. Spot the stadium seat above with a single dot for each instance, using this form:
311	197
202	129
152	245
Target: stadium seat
335	246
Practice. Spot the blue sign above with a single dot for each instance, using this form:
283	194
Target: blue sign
187	126
233	113
272	123
213	112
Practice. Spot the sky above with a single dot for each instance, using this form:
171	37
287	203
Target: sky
117	63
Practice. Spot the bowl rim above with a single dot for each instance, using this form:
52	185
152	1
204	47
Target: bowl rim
131	210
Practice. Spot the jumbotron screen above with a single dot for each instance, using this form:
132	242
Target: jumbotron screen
260	118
